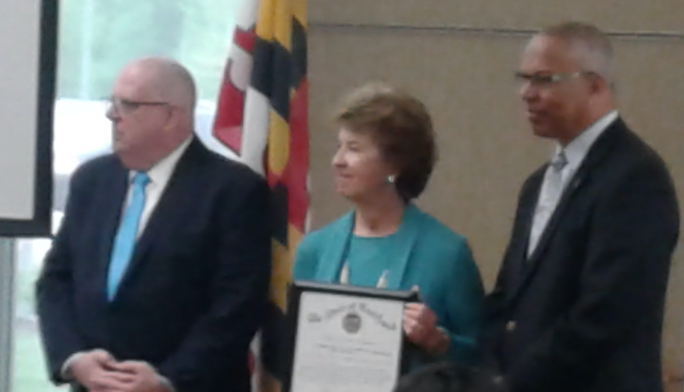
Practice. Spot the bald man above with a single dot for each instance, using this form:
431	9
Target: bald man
158	277
578	304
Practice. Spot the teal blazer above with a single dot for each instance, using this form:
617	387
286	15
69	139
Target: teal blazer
429	255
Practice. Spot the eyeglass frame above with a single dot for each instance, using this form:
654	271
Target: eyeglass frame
128	106
541	80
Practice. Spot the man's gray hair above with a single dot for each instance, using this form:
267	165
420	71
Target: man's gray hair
590	45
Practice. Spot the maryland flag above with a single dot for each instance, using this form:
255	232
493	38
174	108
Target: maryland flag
262	121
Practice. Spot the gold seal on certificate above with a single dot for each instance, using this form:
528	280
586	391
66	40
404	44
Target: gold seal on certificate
345	338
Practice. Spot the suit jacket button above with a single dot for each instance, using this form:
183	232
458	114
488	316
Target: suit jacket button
510	326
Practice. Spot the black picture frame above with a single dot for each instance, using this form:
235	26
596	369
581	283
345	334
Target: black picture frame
40	224
298	287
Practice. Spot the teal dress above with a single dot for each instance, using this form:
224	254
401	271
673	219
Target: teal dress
423	252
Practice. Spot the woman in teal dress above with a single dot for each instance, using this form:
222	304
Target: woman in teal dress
384	160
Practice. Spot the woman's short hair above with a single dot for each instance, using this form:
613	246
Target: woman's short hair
401	127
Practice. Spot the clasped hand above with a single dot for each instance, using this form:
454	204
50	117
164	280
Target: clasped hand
99	371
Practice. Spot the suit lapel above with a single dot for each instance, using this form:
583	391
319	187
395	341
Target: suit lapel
336	250
404	242
528	203
112	203
581	178
177	196
577	180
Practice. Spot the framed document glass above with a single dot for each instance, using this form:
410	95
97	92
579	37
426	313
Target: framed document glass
345	338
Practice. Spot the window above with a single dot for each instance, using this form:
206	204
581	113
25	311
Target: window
96	39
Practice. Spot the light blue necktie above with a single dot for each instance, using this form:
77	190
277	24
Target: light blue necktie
124	242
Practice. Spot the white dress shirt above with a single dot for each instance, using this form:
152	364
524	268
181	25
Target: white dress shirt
574	152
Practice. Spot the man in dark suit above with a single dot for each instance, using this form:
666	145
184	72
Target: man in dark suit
158	277
578	304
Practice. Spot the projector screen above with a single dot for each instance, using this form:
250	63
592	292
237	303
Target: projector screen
28	43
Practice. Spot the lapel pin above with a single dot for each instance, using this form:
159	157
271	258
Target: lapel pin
576	183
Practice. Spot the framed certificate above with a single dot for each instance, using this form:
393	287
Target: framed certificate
345	338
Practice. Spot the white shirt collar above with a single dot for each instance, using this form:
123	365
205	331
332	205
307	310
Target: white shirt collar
161	172
578	148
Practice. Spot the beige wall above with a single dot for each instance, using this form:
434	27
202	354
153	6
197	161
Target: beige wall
465	78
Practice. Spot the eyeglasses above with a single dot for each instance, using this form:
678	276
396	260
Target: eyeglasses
547	80
127	106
